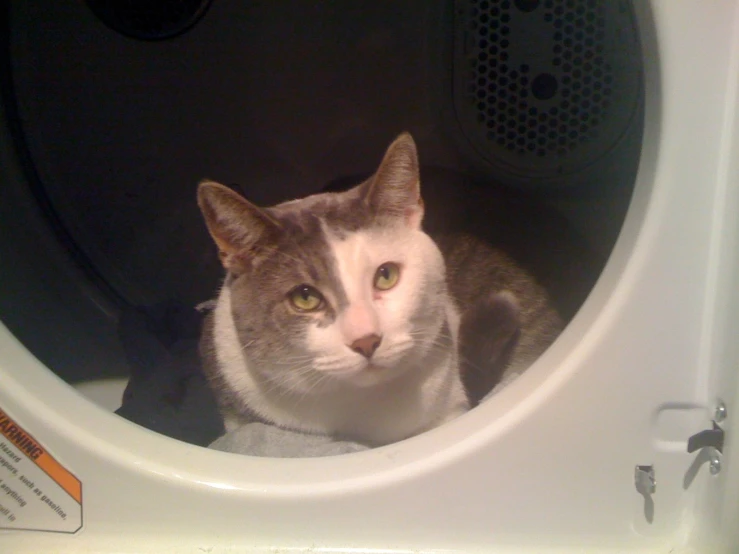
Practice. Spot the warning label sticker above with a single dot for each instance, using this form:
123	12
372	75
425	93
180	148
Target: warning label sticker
36	492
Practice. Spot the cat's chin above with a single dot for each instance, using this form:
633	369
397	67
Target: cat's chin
369	375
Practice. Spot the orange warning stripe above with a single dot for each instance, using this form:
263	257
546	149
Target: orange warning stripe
66	480
31	448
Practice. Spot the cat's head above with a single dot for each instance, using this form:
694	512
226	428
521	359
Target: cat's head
335	287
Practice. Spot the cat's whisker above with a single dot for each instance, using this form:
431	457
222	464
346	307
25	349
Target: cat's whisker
286	377
326	366
248	344
439	341
394	349
273	385
431	332
316	381
471	364
289	361
314	388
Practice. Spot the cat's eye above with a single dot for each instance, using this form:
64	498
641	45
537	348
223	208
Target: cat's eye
386	276
305	298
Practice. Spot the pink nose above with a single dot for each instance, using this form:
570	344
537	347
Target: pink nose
366	345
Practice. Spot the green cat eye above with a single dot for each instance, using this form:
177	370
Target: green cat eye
386	276
305	298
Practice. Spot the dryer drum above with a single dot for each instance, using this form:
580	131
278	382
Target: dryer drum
517	100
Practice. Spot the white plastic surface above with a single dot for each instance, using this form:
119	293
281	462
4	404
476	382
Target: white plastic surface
546	466
106	393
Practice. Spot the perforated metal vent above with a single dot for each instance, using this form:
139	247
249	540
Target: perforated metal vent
544	87
586	80
149	19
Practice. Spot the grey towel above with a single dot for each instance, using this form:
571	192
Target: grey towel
259	439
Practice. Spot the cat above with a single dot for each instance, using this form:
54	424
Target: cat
339	315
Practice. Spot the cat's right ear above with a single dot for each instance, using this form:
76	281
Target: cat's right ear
395	189
237	226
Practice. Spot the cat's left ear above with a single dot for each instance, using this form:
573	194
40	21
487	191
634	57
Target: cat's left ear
395	189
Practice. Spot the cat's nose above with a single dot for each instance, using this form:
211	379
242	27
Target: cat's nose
366	345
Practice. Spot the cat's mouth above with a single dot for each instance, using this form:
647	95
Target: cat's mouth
358	369
366	373
367	377
353	369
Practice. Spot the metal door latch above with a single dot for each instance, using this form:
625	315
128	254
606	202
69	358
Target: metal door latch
711	439
645	481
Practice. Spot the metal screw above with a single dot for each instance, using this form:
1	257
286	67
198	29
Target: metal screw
720	412
714	463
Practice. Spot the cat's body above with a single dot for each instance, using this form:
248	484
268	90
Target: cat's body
339	315
507	318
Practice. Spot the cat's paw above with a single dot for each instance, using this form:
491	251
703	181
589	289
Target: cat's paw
487	335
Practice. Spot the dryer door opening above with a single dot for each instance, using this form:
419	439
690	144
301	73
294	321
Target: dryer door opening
531	112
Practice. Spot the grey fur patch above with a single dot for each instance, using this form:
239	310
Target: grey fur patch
475	271
341	212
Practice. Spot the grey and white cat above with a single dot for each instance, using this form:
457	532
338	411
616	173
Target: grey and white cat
339	315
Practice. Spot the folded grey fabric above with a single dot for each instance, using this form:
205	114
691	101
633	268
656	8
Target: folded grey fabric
259	439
